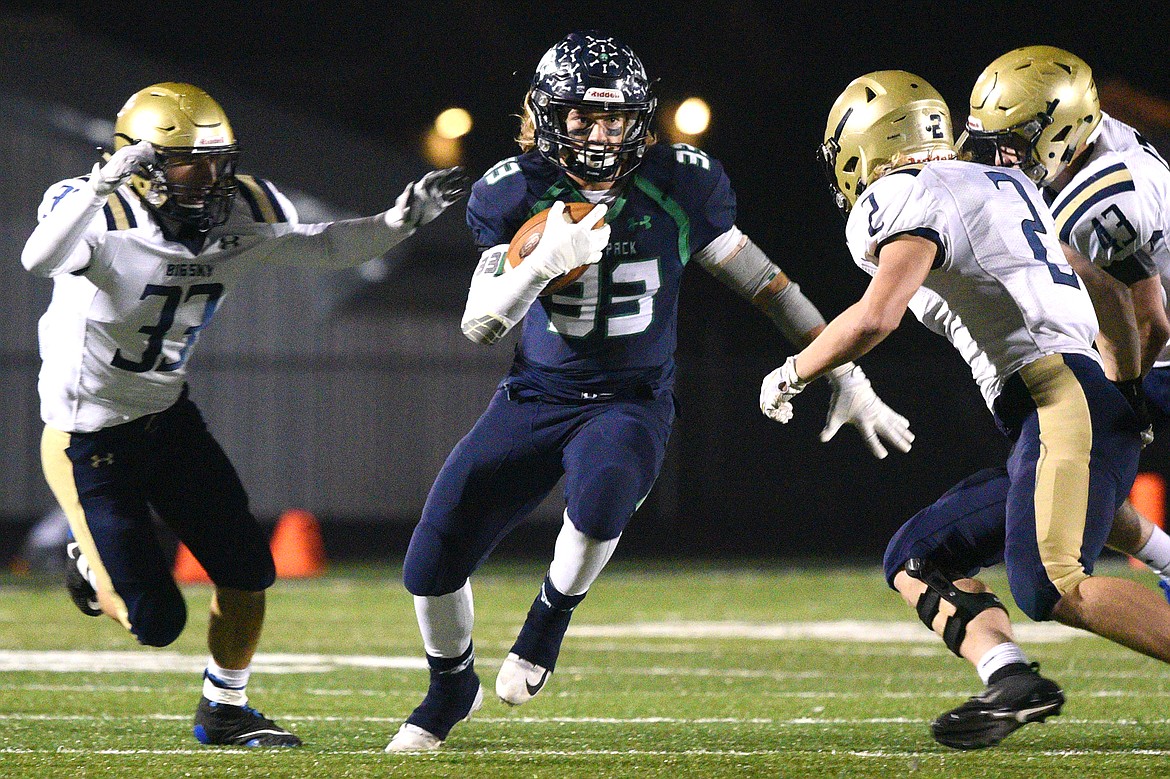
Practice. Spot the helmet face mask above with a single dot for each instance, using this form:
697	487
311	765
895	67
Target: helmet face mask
591	80
194	189
827	160
191	185
1011	148
882	118
1038	104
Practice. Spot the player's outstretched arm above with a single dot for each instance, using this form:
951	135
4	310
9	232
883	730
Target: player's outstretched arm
56	245
902	267
741	265
349	242
500	295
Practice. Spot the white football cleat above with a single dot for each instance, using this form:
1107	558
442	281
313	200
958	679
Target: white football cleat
412	738
519	680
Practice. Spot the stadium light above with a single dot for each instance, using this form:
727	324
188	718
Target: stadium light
442	152
692	117
453	123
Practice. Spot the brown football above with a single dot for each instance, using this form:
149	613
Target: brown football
529	235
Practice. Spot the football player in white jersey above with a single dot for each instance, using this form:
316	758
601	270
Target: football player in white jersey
972	251
1036	108
141	252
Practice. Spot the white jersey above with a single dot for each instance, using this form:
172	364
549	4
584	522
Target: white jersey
128	304
1001	290
1116	209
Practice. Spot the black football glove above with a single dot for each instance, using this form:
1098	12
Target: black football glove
425	199
1131	390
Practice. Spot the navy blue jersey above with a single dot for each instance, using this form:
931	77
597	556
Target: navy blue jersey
614	330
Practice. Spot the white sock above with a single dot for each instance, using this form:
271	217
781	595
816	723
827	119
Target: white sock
1156	552
232	684
445	621
578	559
997	657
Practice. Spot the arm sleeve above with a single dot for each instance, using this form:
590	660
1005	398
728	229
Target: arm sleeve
327	245
499	296
738	263
335	245
69	227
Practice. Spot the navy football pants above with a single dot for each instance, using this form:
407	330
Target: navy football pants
1048	513
108	482
610	453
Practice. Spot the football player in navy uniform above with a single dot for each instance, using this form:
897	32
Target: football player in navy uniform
588	396
1037	108
141	252
972	252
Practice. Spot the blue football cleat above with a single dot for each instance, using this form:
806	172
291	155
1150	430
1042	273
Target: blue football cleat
242	726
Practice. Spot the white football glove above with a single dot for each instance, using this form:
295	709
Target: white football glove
778	388
564	245
855	402
123	164
425	199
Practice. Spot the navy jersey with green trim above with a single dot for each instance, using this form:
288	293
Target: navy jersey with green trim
614	330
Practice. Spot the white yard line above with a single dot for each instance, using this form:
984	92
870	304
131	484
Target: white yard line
861	631
852	631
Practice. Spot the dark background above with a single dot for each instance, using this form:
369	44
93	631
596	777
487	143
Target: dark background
770	72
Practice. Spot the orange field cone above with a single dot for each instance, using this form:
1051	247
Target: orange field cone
1148	496
187	568
297	546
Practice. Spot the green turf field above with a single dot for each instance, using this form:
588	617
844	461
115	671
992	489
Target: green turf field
670	670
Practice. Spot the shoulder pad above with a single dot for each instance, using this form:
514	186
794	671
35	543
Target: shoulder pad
500	200
118	213
258	194
1089	195
1102	216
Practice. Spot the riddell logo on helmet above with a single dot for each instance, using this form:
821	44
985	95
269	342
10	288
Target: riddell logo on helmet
605	95
217	141
974	123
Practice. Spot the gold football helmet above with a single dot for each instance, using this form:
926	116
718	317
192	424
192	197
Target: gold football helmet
881	116
1034	108
192	182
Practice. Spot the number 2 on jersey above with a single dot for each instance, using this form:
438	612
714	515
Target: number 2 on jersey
1033	228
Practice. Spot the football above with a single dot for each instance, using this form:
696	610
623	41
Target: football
529	235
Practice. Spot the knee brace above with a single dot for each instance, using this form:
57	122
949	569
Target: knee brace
939	587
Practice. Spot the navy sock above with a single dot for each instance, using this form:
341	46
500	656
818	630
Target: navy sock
540	639
1009	670
454	685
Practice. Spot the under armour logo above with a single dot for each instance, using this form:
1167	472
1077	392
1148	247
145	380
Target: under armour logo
229	242
98	460
644	223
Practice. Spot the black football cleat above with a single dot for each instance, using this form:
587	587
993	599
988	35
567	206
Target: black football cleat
241	726
80	590
1003	708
